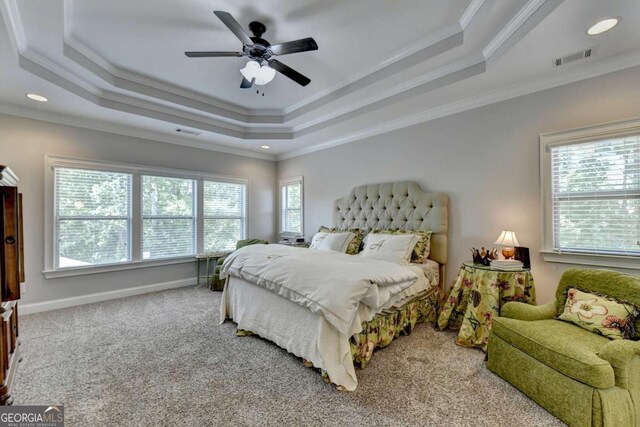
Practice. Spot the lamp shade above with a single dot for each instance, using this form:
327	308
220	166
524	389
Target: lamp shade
507	238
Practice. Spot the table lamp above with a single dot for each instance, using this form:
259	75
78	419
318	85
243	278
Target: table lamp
508	240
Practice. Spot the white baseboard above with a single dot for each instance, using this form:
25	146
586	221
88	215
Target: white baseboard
38	307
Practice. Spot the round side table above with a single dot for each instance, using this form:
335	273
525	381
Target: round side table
476	297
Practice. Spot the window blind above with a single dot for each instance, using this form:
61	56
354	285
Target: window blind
168	217
291	208
224	215
596	196
92	211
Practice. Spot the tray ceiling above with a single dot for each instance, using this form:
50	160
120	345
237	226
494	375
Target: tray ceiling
388	62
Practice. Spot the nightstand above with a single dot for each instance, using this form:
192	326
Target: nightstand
476	298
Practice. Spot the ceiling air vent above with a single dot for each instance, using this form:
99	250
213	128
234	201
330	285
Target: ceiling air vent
188	131
577	56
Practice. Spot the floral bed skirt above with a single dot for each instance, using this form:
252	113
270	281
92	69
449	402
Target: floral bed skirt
380	331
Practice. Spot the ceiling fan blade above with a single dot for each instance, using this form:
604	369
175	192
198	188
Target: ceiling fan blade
289	72
246	84
302	45
233	25
209	54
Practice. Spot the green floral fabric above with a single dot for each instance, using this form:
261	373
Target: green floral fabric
387	326
354	245
421	250
603	315
476	298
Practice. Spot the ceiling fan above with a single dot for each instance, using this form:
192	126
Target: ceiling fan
262	66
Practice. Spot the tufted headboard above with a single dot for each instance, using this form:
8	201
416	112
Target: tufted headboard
401	205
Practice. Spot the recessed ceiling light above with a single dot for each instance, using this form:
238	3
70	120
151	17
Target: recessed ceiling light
37	97
602	26
266	147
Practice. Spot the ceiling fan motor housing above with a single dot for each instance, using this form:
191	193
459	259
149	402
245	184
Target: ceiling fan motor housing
259	51
257	28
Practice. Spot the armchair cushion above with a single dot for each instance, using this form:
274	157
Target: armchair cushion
522	311
561	346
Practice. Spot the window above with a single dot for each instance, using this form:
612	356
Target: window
224	215
168	217
92	217
591	186
291	199
107	216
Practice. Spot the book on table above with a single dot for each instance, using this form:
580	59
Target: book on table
506	264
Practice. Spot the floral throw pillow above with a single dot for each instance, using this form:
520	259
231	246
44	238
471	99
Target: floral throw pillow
356	242
422	249
603	315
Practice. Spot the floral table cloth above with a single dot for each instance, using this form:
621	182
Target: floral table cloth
476	298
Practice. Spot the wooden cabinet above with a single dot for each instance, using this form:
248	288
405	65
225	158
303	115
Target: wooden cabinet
11	275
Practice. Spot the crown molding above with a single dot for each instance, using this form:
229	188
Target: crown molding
618	63
524	21
44	68
449	74
77	52
440	42
599	68
527	18
119	129
470	13
445	39
12	21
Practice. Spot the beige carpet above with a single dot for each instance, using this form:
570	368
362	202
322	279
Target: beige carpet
161	359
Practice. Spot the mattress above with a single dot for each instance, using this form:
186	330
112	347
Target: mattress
303	333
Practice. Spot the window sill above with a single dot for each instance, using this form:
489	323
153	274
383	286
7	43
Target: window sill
81	271
615	261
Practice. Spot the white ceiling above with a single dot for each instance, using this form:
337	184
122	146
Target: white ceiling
381	65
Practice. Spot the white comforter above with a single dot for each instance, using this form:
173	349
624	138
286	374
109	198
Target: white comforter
330	284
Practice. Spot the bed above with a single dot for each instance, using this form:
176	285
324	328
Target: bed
304	322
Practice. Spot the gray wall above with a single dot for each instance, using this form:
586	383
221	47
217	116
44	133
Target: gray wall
23	145
485	159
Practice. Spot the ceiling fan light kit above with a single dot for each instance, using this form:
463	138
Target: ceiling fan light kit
262	67
260	75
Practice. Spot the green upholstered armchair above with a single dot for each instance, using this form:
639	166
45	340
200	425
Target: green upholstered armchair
583	378
218	283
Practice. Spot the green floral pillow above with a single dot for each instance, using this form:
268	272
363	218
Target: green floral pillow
600	314
354	246
422	249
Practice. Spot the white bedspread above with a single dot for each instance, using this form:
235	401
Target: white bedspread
330	284
307	334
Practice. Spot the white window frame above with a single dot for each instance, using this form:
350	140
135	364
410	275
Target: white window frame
281	208
577	136
196	198
243	217
51	162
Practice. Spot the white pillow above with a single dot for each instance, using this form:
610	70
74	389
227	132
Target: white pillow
331	241
390	247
